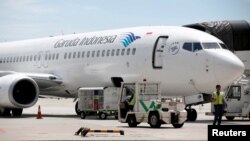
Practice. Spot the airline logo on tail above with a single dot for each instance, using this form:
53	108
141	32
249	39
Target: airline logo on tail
128	38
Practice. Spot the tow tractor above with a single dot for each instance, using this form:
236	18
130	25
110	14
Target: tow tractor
150	106
237	97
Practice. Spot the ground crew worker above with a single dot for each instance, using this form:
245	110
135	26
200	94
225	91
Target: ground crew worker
219	103
130	99
132	102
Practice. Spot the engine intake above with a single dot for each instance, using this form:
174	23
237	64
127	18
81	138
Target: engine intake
18	91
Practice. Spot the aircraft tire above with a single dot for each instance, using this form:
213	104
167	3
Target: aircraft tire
17	112
191	114
5	112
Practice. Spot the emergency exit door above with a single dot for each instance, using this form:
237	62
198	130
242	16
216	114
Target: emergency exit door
158	52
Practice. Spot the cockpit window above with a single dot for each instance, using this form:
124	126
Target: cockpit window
210	45
223	46
197	47
193	47
188	46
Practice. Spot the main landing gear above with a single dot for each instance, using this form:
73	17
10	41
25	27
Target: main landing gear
7	112
191	114
78	112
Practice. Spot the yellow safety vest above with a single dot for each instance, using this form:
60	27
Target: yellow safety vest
132	102
218	98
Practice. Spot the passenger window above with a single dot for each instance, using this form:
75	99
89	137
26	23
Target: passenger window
123	51
35	58
133	51
65	55
31	57
88	53
103	53
4	60
113	52
57	56
98	53
197	47
74	55
39	56
93	53
17	59
188	46
53	56
108	51
69	57
128	51
49	56
10	59
79	54
27	58
83	53
117	52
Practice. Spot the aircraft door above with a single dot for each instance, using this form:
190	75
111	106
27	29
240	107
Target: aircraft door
158	52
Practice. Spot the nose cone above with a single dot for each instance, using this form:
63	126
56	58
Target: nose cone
227	67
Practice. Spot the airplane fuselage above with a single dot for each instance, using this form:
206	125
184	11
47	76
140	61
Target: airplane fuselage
133	54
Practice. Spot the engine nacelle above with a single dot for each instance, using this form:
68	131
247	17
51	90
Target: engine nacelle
18	91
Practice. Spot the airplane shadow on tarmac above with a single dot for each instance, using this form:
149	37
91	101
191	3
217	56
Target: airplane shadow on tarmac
145	127
223	122
58	116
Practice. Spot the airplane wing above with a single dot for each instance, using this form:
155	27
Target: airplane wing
43	80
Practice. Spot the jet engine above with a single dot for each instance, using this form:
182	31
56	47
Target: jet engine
18	91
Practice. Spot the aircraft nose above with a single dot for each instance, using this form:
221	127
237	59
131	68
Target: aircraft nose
228	68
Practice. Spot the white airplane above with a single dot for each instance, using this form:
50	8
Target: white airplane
186	62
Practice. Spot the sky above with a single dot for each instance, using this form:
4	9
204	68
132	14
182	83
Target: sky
26	19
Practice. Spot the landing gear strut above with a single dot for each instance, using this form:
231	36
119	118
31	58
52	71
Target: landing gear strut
191	114
78	112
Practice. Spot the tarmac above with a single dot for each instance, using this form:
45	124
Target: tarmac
59	122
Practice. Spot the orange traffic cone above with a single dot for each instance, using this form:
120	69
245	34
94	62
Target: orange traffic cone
39	114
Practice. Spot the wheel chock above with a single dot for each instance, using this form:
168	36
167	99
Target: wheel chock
84	131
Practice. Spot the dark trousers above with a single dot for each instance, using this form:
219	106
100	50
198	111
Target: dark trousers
218	112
